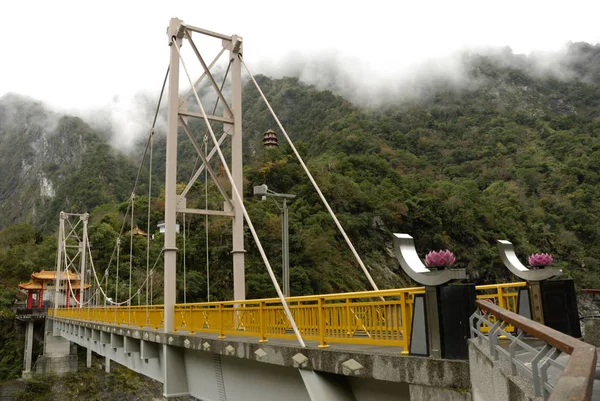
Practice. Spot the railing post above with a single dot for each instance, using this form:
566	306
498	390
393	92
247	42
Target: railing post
221	335
348	325
501	300
404	324
191	321
322	318
492	338
261	319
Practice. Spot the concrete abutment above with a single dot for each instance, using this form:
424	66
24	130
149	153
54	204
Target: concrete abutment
60	355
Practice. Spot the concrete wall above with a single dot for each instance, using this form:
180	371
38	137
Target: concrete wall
418	392
372	390
250	380
591	331
58	365
491	379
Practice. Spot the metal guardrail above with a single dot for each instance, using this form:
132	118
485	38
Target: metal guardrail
575	382
24	313
369	317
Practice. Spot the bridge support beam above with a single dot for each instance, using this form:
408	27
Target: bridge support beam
132	345
148	350
175	384
321	386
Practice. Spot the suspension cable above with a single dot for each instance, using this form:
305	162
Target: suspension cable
131	251
240	202
184	270
106	285
148	227
139	288
115	249
69	285
206	222
118	259
312	180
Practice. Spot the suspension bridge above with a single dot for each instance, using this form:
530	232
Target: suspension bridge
393	344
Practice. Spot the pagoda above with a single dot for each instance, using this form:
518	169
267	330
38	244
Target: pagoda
43	284
270	139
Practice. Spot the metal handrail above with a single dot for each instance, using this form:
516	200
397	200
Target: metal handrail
576	381
367	317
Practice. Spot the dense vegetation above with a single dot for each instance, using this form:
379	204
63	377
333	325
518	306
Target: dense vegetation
514	154
91	384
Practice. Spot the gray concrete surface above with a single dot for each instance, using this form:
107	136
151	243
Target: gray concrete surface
246	368
491	380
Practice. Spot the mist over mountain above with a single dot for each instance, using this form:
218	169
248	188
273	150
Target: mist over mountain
127	120
508	149
358	81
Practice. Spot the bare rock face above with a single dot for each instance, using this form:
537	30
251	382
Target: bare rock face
589	312
42	155
36	147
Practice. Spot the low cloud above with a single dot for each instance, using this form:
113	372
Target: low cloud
373	86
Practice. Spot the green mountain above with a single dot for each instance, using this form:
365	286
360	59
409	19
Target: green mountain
508	153
511	151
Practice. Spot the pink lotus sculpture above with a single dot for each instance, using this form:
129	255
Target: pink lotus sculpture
439	259
540	259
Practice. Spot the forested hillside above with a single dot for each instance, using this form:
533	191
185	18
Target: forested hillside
514	153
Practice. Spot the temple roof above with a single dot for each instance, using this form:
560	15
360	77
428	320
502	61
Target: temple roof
35	284
51	275
31	285
138	231
77	285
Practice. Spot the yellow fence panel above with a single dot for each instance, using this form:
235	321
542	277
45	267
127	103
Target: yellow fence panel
369	317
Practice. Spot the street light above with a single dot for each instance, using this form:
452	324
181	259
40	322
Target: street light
264	191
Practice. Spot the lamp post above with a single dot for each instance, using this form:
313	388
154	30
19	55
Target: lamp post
264	191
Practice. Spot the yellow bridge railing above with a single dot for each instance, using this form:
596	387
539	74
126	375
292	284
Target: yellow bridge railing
369	317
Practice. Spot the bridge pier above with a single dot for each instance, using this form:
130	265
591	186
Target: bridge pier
28	349
57	357
88	359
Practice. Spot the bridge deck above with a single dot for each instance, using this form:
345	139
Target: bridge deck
127	345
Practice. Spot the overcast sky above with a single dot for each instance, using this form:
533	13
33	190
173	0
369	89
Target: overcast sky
89	54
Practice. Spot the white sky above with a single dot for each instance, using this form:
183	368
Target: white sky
84	54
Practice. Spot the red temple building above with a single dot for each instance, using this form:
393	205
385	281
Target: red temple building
41	288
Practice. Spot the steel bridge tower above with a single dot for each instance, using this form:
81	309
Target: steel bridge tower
178	113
